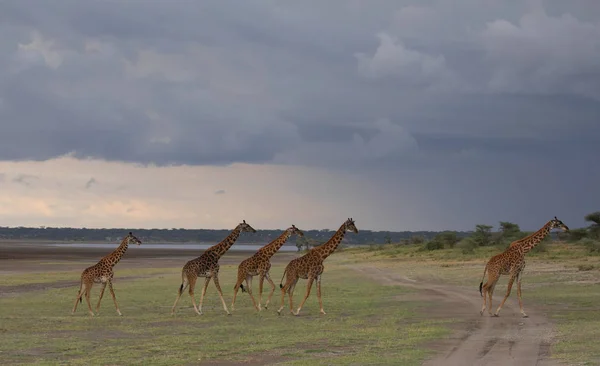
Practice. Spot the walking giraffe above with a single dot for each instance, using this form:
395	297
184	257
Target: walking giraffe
512	262
102	272
310	266
207	266
259	265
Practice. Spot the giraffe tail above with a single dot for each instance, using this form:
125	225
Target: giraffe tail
242	287
79	292
481	283
181	288
281	282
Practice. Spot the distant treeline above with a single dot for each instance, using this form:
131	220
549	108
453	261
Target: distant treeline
201	235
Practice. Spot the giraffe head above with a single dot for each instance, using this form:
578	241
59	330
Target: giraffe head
350	226
294	230
132	239
245	227
556	223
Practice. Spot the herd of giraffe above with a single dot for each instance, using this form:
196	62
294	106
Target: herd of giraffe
511	262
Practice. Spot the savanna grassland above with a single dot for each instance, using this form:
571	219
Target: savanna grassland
371	318
561	281
362	326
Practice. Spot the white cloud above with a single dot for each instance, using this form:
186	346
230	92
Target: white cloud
413	68
40	48
544	54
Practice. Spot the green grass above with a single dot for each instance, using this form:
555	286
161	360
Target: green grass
366	324
48	277
563	282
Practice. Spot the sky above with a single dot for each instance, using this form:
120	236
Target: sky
404	115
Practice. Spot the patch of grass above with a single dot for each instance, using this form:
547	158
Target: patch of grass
555	282
586	267
48	277
366	324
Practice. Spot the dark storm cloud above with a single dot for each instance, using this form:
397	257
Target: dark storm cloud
398	85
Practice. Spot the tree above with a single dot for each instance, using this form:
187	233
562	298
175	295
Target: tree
594	229
482	235
593	217
509	229
447	239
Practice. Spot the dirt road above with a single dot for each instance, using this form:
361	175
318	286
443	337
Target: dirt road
480	340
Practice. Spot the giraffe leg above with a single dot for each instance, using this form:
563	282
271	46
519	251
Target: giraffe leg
196	308
283	291
268	277
240	279
490	295
112	293
100	298
261	281
484	290
308	286
78	298
179	292
319	294
519	295
216	280
87	299
249	284
510	283
291	295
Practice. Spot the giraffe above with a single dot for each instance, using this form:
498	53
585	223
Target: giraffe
512	262
259	265
310	267
207	266
102	272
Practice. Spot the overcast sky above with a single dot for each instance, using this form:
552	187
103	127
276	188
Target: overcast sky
404	115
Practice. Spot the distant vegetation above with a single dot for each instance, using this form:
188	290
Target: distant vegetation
312	237
508	232
466	241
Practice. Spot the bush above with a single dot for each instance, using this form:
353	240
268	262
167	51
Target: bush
467	246
434	245
417	239
592	246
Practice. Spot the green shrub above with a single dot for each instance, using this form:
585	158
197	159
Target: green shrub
592	246
467	246
434	245
577	234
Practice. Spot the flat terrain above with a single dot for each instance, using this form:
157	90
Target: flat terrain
392	306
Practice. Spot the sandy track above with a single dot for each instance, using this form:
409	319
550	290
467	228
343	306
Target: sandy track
482	340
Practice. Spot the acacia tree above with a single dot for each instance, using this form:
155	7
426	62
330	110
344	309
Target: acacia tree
594	228
482	235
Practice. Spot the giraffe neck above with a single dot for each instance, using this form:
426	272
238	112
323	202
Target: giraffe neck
325	250
270	249
529	242
114	257
225	244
